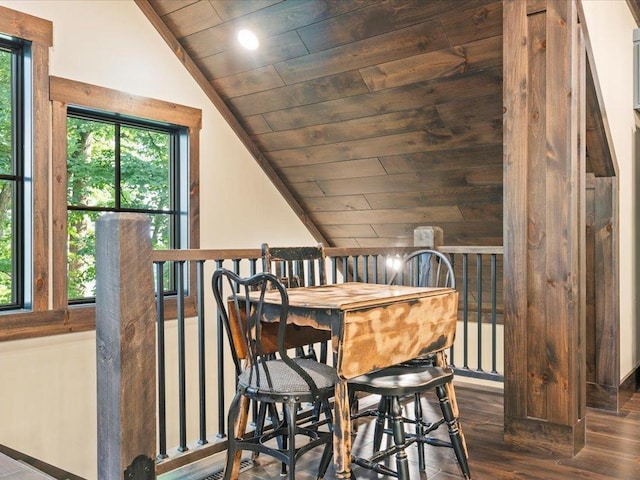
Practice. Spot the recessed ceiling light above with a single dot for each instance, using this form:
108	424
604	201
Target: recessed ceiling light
248	39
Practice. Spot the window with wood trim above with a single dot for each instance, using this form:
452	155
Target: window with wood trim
113	151
24	143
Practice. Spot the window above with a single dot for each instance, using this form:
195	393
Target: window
14	171
24	175
102	141
117	164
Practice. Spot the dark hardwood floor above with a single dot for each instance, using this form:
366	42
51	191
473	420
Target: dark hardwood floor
612	450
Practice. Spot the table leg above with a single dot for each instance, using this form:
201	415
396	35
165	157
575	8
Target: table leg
342	432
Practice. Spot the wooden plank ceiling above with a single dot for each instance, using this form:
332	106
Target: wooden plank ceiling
377	115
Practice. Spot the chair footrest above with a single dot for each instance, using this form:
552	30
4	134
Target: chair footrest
436	442
376	467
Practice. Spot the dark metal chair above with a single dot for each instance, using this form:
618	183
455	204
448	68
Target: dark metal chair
425	268
300	267
269	375
295	266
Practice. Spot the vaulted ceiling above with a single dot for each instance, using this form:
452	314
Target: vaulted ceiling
372	117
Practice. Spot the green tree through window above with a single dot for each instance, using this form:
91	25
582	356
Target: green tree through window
117	166
10	177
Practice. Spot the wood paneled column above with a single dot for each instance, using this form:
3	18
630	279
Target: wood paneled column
125	347
544	239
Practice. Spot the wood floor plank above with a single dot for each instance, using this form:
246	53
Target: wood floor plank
606	456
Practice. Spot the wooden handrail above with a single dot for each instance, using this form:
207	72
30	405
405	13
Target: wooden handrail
497	250
241	253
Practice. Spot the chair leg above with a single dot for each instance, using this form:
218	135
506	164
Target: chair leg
402	463
328	413
291	413
311	352
417	408
378	431
455	433
283	443
237	420
327	453
323	352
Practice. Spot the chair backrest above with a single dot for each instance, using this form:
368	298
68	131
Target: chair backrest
295	266
425	268
242	306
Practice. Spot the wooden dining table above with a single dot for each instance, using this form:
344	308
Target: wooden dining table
372	326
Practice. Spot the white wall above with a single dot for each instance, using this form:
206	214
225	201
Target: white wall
48	404
610	26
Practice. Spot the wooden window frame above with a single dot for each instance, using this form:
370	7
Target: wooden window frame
65	92
40	33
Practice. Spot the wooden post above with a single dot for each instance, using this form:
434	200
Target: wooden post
544	238
428	237
125	340
602	322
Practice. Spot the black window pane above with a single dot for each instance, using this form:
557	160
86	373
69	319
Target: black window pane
161	231
90	163
81	254
145	169
6	114
7	254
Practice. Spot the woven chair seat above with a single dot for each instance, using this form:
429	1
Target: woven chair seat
284	380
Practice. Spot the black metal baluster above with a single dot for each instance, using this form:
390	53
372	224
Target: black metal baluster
453	266
356	276
162	390
385	267
334	270
366	268
182	367
479	289
493	314
375	268
201	351
465	311
254	405
345	270
220	351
